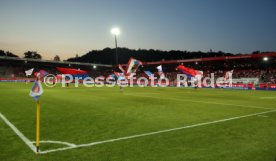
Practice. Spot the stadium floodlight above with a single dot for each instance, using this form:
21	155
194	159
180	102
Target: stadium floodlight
265	58
116	31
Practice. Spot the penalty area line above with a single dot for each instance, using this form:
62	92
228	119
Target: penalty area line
154	133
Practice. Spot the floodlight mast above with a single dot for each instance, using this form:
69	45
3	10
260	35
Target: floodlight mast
116	32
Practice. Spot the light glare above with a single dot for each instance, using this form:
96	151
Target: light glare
115	31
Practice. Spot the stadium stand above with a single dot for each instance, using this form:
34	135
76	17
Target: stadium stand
244	66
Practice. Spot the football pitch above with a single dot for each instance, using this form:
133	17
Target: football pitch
138	124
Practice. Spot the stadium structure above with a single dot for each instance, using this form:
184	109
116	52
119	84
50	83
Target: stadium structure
258	69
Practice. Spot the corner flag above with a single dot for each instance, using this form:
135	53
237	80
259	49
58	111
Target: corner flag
36	92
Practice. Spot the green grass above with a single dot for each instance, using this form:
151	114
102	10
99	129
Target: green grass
84	115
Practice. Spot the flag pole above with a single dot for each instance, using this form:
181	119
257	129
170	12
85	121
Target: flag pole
37	125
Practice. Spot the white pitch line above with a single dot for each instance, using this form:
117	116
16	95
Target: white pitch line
18	133
56	142
262	116
215	103
154	133
267	97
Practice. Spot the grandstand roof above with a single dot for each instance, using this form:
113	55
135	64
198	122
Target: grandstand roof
222	58
51	61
